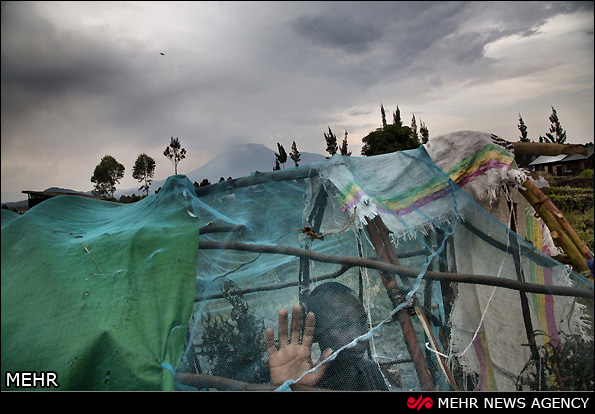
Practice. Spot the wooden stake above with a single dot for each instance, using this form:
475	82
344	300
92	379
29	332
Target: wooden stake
397	297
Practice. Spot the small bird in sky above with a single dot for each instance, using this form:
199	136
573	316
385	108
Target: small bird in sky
162	54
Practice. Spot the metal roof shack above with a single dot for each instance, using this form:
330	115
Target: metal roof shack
36	197
563	164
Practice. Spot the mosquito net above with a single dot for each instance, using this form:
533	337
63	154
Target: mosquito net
403	281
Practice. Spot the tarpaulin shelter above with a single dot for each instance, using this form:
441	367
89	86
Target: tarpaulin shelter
176	291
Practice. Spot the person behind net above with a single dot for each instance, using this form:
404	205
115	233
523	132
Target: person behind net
335	317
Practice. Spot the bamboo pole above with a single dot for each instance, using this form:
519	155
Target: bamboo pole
561	230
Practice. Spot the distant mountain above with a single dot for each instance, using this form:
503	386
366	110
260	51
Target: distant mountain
65	190
238	161
242	160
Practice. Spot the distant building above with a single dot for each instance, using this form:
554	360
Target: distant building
36	197
571	164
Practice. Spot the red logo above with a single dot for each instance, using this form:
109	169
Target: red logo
420	402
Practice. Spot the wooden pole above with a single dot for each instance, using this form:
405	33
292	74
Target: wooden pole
379	236
389	267
544	148
397	297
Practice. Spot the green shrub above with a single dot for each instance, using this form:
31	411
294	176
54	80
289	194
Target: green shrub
561	367
573	196
583	226
572	201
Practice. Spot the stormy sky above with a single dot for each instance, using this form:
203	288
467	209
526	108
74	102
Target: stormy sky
81	80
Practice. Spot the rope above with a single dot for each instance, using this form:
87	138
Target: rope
483	314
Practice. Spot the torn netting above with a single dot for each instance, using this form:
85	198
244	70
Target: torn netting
413	248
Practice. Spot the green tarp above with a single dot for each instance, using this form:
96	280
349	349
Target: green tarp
99	293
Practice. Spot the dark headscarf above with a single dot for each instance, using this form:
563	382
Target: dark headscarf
340	318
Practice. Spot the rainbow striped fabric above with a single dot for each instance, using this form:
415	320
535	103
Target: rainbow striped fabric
396	186
406	188
478	162
401	203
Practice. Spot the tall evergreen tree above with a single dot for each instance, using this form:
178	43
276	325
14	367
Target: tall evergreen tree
414	127
344	144
331	142
383	114
556	128
523	129
523	160
397	117
295	154
423	132
282	155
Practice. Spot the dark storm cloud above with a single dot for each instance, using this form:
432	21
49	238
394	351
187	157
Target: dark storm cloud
48	69
50	60
348	34
390	33
90	77
382	40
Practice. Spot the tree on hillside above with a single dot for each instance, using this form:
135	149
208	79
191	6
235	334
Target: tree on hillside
523	160
414	127
124	199
143	170
389	138
397	117
175	153
295	154
523	129
555	128
281	156
383	116
344	144
106	175
423	132
331	142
